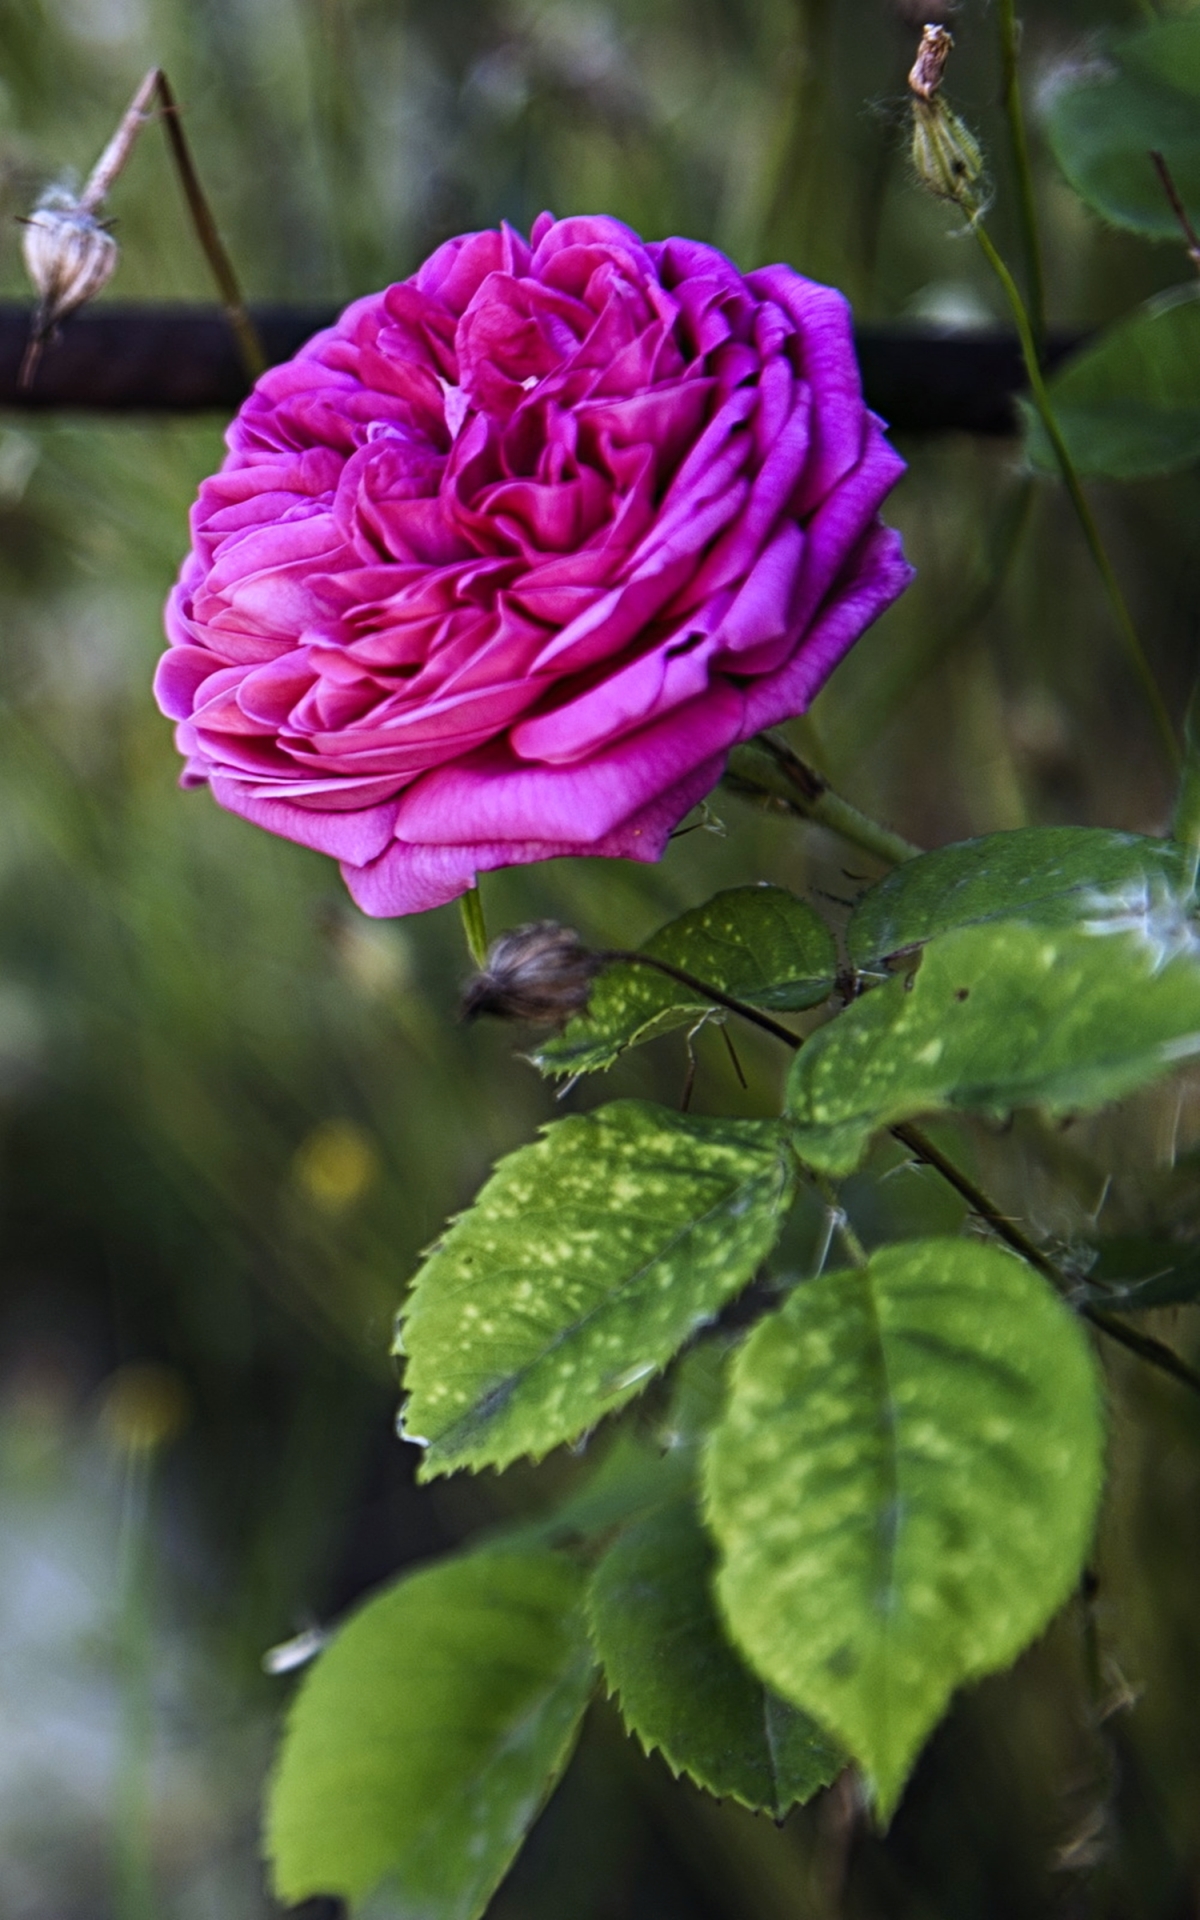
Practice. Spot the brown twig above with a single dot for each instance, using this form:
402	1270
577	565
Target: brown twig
249	346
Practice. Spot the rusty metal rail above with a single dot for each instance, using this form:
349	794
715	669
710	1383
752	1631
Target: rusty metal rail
152	359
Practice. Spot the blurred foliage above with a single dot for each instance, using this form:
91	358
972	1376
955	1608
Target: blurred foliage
232	1110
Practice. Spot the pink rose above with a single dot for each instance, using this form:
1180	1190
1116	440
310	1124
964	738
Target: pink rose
502	565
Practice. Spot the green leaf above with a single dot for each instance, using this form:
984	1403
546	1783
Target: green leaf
426	1738
585	1264
759	944
682	1688
1129	404
903	1488
1048	876
1103	129
998	1017
1133	1274
633	1478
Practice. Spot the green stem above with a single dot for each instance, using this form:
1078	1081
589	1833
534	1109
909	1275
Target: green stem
470	905
1010	43
254	360
1083	512
766	769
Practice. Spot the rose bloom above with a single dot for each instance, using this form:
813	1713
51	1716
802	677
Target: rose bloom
502	565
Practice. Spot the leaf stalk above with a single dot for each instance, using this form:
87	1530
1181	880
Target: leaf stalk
767	769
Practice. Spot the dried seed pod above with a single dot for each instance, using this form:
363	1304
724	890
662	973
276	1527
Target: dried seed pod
69	254
542	973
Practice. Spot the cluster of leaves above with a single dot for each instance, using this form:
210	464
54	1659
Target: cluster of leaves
883	1490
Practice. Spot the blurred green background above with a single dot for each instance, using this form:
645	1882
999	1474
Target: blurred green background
232	1110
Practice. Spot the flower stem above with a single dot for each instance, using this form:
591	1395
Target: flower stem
767	769
254	360
1083	511
1010	42
470	905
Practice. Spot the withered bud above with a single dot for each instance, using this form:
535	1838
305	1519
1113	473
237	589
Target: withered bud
946	156
541	973
930	63
69	254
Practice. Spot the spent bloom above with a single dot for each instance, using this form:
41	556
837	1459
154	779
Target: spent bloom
541	973
502	565
69	255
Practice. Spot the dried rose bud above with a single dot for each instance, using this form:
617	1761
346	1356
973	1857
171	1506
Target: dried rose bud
68	253
946	156
930	63
542	973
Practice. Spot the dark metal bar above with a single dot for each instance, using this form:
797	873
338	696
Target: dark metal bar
169	359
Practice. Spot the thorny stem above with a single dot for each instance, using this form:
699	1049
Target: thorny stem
628	958
789	780
1191	237
1143	1344
1010	42
1078	498
839	1219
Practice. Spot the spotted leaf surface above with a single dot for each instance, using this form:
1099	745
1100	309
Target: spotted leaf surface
587	1261
1049	876
682	1688
998	1017
760	944
903	1488
425	1740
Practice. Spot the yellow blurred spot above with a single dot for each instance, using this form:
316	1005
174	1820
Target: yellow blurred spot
336	1164
144	1406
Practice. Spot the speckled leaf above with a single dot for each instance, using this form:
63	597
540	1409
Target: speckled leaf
1128	404
682	1688
903	1488
425	1740
585	1264
1049	876
997	1017
1133	1274
759	944
1143	96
